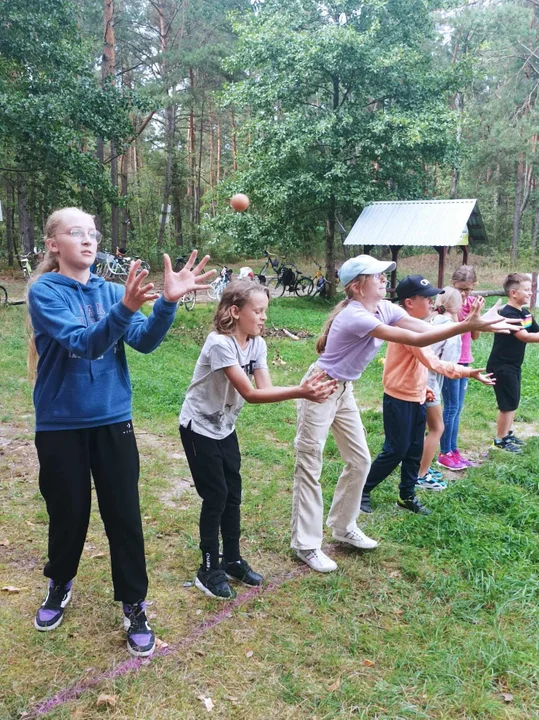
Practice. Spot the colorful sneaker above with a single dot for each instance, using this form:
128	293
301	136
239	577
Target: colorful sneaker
427	482
214	583
242	571
506	445
355	537
140	638
514	439
365	506
436	474
51	612
413	505
463	460
450	462
317	560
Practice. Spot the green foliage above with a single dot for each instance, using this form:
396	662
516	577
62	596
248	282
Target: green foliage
343	104
51	107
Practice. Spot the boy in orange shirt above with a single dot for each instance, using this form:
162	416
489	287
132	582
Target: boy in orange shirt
405	390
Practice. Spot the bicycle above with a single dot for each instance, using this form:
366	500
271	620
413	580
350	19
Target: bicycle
289	277
270	262
117	266
320	284
217	286
26	265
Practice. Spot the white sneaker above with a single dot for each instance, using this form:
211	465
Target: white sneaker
357	538
317	560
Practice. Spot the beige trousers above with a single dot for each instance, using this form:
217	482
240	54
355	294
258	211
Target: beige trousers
340	414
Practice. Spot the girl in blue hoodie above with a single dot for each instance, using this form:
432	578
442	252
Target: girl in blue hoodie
82	398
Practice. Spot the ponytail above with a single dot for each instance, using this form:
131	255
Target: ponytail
322	340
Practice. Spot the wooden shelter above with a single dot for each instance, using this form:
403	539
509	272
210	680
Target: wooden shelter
439	224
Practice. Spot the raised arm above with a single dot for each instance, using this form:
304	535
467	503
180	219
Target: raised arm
316	388
491	321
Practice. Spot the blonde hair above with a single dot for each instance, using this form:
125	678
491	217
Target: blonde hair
322	340
237	293
448	302
464	273
48	264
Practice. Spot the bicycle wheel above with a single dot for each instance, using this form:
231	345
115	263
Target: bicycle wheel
144	266
304	286
275	287
3	296
116	270
189	300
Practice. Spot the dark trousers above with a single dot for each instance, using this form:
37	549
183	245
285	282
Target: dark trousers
109	454
404	427
215	467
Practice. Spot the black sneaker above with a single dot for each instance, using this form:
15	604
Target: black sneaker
214	583
51	612
242	571
140	637
413	505
366	504
513	439
507	445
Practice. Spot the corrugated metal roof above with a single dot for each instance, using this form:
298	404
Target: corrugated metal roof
418	222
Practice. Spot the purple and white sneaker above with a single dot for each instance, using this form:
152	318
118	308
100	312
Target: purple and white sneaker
140	638
51	612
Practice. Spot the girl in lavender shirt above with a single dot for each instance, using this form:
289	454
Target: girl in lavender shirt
351	338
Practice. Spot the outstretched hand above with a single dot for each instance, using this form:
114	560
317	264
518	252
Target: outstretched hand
317	388
187	279
137	293
491	321
486	379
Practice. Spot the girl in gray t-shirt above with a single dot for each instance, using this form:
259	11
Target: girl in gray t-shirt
233	355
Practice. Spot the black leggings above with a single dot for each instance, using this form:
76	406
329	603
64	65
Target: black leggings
215	467
66	459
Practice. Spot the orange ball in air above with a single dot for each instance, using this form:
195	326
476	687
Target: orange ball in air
239	202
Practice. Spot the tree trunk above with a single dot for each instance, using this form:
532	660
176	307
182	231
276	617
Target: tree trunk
26	226
518	203
330	246
170	122
9	223
199	171
535	234
124	175
234	145
455	175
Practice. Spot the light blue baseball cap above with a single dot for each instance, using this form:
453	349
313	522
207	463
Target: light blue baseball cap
363	265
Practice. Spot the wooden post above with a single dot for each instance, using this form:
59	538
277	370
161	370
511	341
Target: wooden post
534	290
442	254
465	254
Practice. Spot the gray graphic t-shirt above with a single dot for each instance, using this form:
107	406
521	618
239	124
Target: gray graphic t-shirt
211	403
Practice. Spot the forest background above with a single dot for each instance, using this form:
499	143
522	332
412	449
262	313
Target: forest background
151	113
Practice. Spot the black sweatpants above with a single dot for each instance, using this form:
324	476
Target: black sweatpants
66	459
215	467
404	427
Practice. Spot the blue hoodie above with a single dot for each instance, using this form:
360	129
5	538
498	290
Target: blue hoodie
80	330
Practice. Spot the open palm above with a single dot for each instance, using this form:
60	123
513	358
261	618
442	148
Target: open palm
187	279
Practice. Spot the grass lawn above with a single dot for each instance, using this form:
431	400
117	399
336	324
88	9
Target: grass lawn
441	621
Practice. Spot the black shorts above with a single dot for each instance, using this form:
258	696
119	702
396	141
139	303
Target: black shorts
507	388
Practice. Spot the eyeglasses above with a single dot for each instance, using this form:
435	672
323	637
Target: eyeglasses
379	276
79	234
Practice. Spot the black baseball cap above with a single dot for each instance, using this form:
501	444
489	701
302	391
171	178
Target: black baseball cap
413	285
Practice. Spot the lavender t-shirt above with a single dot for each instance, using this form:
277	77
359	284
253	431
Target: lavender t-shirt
349	347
